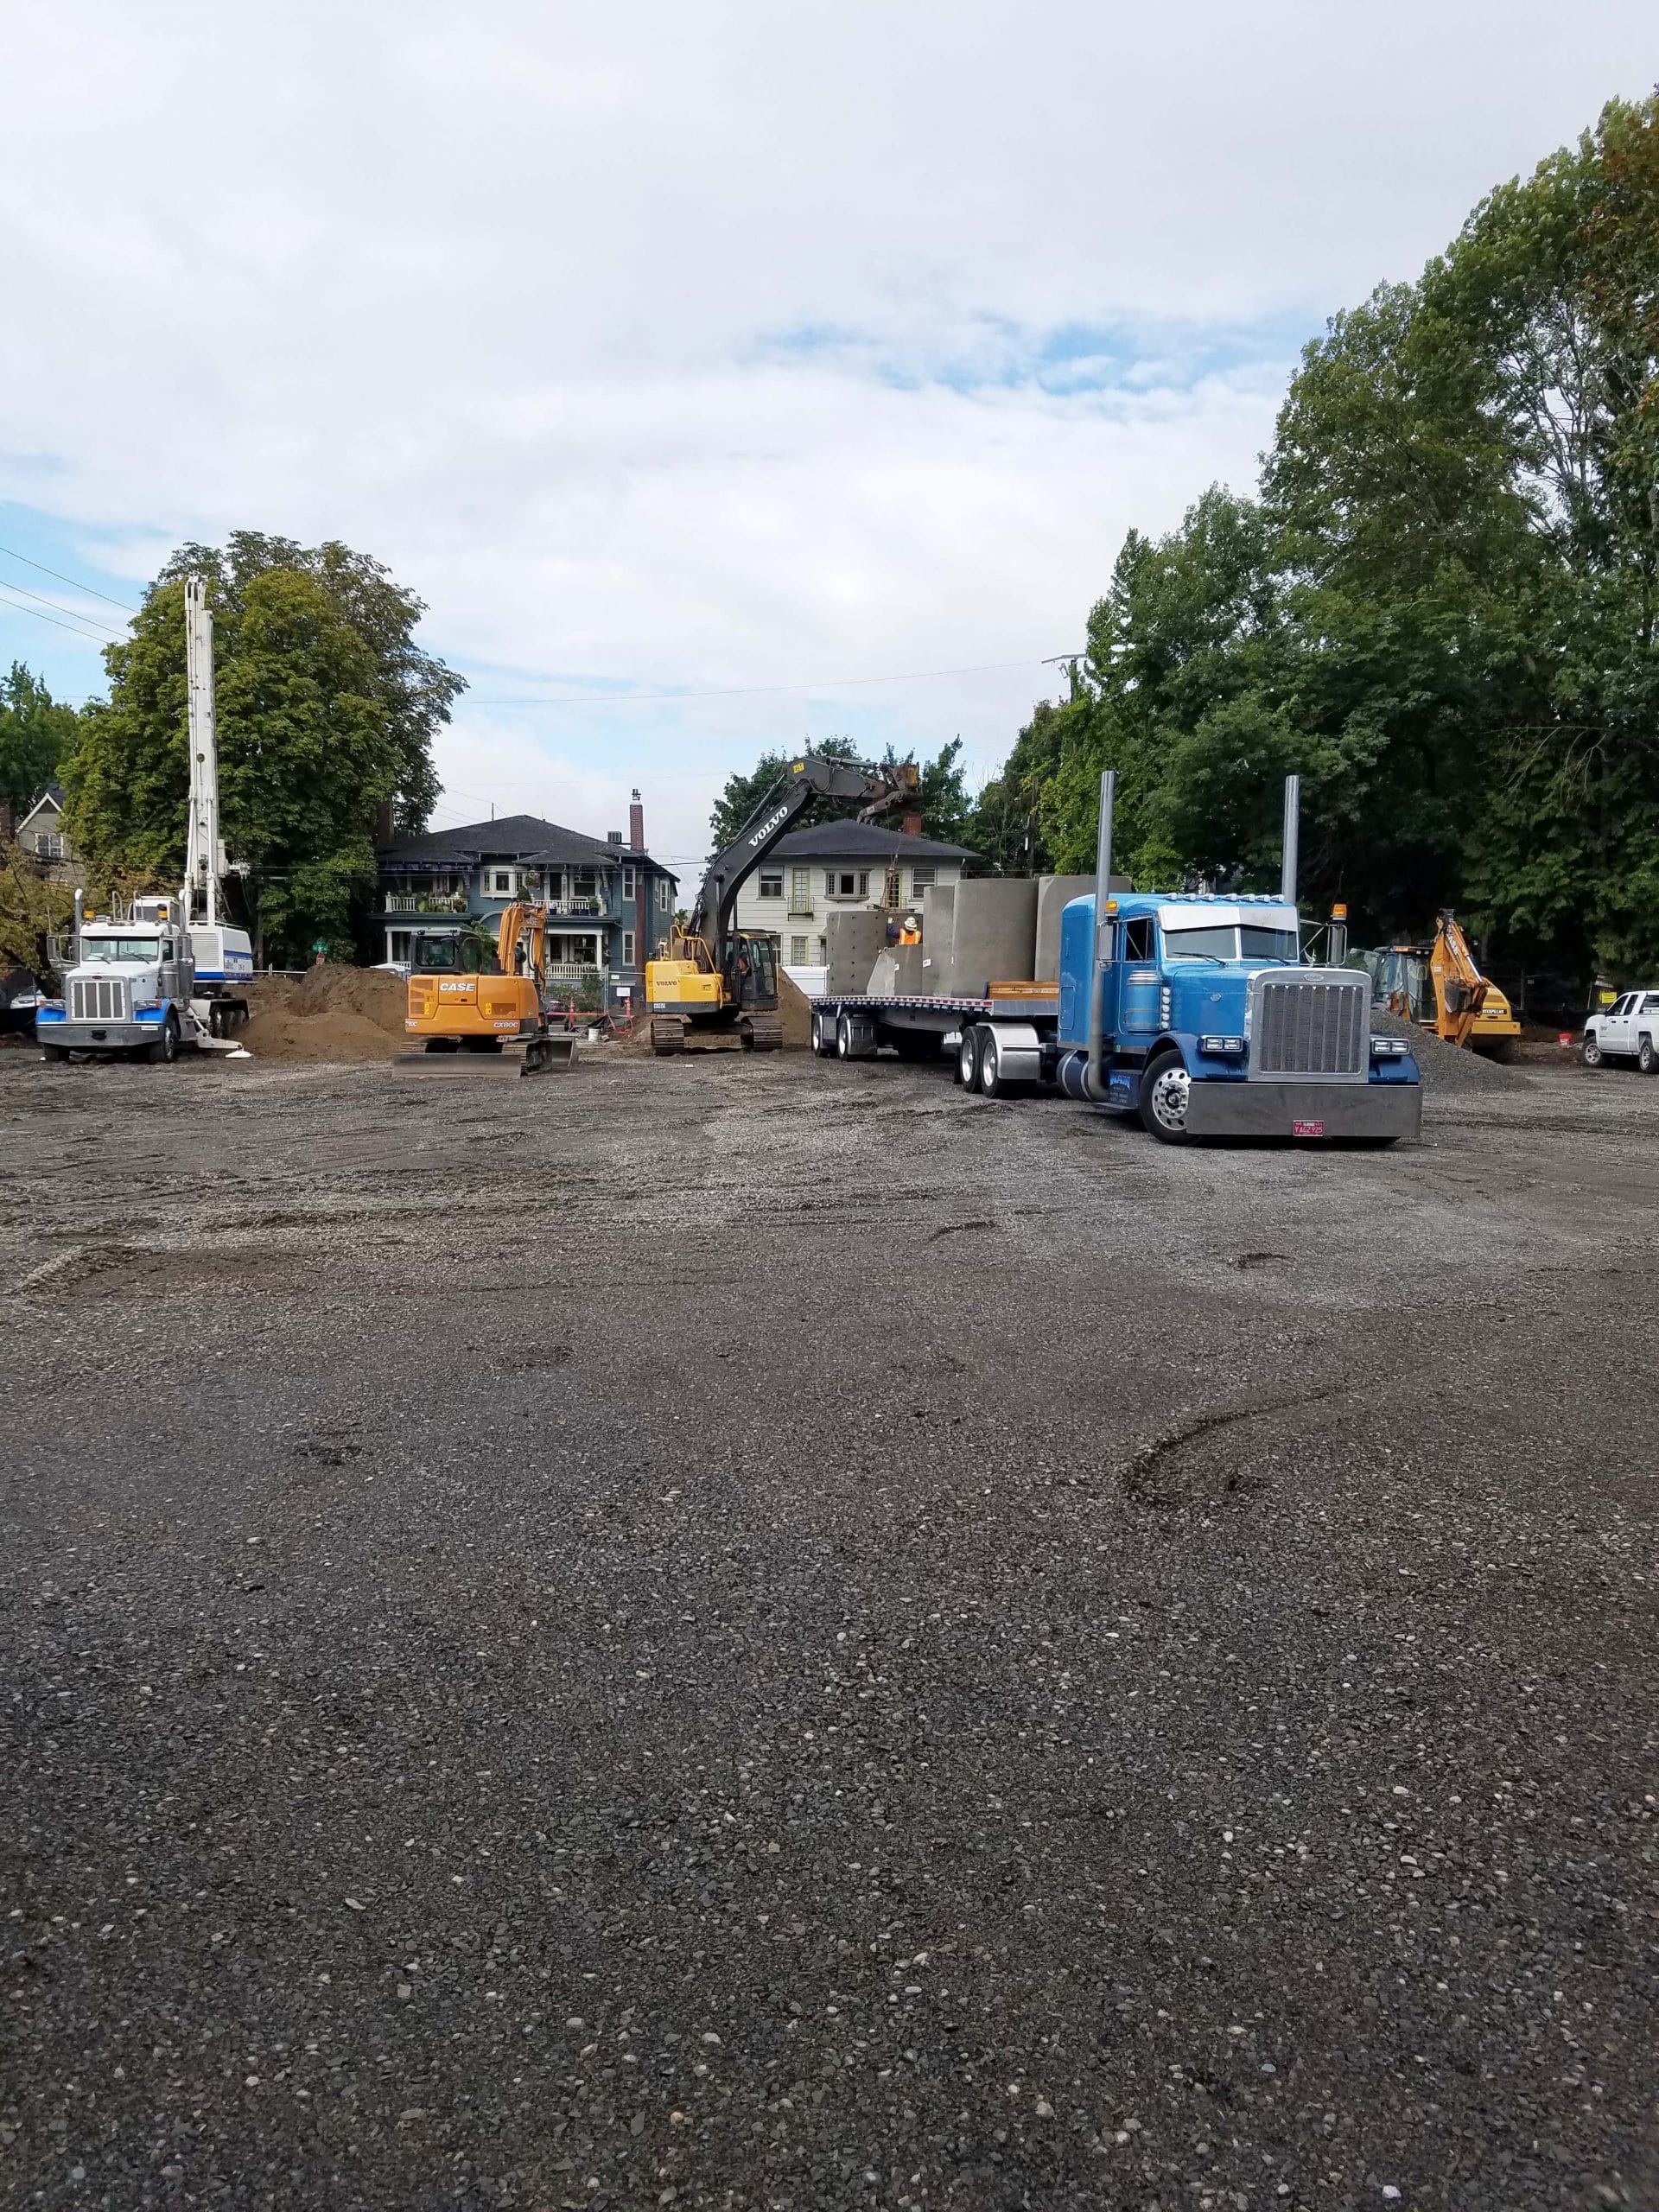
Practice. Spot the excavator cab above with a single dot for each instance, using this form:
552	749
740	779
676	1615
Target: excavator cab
751	975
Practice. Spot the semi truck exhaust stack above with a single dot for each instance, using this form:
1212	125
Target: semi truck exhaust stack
1094	1082
1292	832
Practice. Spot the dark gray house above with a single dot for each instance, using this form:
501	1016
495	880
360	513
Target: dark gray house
613	905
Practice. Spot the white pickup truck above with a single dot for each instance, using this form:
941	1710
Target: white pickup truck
1627	1030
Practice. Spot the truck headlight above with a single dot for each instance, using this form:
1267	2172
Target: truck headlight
1389	1048
1222	1048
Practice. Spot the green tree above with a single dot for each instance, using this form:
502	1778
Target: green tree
941	799
36	733
34	909
739	801
1441	610
327	712
308	756
413	690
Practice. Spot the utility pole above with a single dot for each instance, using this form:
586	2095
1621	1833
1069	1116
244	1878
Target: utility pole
204	853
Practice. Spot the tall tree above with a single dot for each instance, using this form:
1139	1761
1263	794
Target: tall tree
742	798
327	709
413	691
1440	611
307	758
36	732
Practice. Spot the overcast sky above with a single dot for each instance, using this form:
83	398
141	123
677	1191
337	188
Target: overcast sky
774	352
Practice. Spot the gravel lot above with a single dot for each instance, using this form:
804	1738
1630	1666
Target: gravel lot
769	1634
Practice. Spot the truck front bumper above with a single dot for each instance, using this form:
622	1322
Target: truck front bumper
96	1036
1382	1110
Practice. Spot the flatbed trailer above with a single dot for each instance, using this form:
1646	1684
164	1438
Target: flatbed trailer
1021	1021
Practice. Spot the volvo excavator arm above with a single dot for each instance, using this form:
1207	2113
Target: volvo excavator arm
875	787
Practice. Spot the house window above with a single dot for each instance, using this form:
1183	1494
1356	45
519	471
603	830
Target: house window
798	952
501	883
663	901
800	891
847	883
627	889
48	847
627	948
584	883
772	883
555	883
922	879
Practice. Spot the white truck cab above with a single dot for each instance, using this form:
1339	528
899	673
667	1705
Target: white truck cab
1627	1030
136	987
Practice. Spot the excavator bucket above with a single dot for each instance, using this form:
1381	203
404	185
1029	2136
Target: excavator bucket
536	1056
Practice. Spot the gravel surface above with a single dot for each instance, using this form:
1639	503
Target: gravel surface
750	1634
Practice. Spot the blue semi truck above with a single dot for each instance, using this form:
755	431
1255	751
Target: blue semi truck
1197	1013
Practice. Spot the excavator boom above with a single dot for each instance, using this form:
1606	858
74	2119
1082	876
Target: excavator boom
715	974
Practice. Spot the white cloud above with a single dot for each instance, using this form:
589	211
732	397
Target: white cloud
520	298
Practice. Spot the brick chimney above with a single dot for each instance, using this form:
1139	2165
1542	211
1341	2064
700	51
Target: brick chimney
636	824
911	824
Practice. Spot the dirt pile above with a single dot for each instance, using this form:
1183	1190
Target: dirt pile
330	1013
1447	1067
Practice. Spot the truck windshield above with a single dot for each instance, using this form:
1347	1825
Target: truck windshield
1229	941
120	948
1256	944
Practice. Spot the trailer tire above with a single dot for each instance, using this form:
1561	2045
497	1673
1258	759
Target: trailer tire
823	1044
1646	1059
967	1056
1164	1089
988	1060
165	1050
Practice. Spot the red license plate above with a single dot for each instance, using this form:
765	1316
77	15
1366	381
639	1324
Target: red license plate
1307	1129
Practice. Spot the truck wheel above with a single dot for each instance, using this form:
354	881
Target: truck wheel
823	1043
165	1050
1589	1053
53	1052
1165	1088
968	1057
1646	1059
991	1083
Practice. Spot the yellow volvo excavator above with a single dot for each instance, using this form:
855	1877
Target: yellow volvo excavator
1439	987
715	976
481	998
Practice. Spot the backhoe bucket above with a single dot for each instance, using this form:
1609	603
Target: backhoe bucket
534	1056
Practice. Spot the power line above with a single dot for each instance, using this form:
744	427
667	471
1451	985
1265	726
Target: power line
74	628
92	620
760	691
125	605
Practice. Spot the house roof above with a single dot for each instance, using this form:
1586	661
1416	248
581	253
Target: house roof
862	841
52	796
522	837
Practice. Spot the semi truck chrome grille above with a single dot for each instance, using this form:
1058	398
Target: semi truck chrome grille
96	998
1302	1024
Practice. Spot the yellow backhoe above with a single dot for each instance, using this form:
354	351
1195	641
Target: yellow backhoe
715	977
1438	987
482	996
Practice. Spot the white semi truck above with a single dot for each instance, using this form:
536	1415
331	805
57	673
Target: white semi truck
169	972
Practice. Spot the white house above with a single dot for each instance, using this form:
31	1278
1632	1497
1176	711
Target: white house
41	832
833	866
